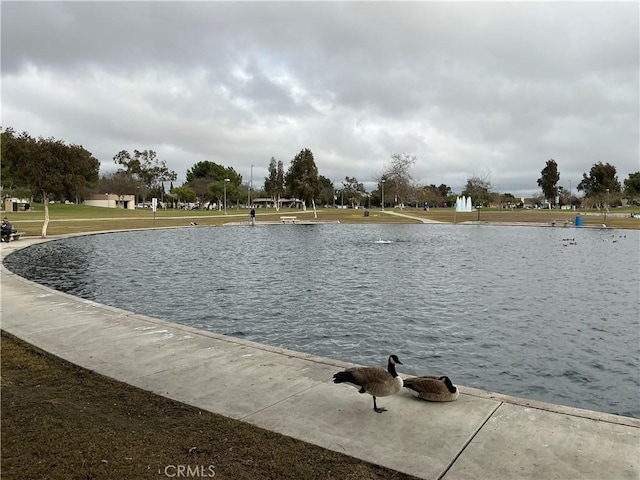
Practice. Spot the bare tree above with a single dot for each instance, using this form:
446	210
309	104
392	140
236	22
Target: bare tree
398	180
479	189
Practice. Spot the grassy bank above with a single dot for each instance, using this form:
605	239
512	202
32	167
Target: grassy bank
66	219
60	421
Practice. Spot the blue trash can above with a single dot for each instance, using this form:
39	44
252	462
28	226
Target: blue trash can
578	221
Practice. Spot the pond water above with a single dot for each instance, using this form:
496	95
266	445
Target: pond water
523	311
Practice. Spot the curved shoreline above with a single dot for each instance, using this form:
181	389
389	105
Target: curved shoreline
475	433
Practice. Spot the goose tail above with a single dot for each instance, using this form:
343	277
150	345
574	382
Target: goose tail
343	377
408	383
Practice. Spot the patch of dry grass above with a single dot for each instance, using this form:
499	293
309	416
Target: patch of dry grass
60	421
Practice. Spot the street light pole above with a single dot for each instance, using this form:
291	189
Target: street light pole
570	203
225	195
250	185
606	208
382	183
333	187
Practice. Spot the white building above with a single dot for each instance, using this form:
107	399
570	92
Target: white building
110	200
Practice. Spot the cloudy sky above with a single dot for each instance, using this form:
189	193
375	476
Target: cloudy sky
486	89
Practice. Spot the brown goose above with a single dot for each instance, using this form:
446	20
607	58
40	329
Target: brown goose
433	389
375	381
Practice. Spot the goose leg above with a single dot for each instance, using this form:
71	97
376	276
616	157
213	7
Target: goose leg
375	407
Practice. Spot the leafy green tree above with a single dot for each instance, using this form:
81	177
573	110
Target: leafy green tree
602	177
434	194
353	191
632	188
444	191
274	184
13	148
549	180
217	190
508	200
146	167
206	178
302	179
201	188
213	171
184	194
327	190
55	170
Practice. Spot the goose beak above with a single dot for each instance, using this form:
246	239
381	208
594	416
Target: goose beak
399	362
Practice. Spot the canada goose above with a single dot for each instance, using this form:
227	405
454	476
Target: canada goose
375	381
433	389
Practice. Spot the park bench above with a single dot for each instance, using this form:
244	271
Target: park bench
15	235
288	219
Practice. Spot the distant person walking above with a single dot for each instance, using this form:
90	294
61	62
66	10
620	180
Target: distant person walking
252	214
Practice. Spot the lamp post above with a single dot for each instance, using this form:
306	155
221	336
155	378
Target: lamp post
606	208
226	180
250	185
382	183
570	203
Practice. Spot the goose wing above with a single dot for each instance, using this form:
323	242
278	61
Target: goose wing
426	384
377	381
366	376
431	388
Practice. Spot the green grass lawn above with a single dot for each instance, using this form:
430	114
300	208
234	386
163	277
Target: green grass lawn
66	219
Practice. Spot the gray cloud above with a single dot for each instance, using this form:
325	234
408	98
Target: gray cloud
470	88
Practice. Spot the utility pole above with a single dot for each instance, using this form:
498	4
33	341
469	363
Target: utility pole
250	185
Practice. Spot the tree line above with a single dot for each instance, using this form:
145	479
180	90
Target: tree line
600	187
45	168
49	169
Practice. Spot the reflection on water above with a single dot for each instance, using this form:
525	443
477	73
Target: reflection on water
517	310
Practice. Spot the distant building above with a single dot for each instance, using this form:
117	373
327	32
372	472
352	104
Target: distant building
271	203
15	204
111	200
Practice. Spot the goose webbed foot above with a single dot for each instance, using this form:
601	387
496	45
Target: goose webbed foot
375	407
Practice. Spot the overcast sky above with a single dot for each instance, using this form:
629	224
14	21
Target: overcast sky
486	89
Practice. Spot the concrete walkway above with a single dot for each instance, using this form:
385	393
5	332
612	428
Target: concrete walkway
480	436
397	214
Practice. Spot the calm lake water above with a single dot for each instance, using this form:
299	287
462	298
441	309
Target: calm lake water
516	310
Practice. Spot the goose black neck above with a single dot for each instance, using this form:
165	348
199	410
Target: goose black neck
391	368
449	385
